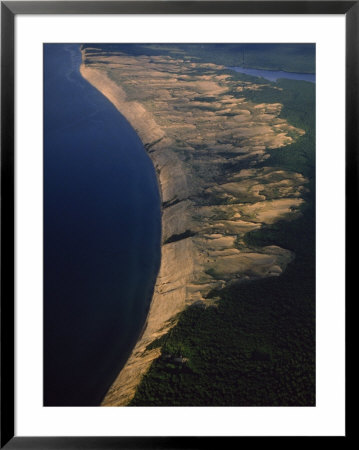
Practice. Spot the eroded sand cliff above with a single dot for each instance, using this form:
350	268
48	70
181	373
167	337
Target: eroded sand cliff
205	142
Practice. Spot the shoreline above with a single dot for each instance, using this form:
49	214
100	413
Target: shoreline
140	359
193	266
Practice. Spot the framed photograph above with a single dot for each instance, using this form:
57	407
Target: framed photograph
174	183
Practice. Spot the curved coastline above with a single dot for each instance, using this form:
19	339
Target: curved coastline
186	275
99	184
157	322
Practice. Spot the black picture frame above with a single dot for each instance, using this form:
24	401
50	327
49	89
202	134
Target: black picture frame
9	9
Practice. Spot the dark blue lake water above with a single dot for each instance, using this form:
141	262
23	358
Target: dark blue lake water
274	75
102	229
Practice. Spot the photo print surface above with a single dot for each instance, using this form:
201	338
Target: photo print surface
179	224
